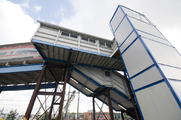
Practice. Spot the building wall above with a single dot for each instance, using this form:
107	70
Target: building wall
98	116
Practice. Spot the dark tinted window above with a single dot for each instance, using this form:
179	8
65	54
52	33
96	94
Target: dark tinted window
3	53
92	41
65	34
74	36
85	39
102	44
26	51
108	45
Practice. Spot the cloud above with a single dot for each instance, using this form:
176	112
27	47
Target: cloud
53	22
60	12
16	26
25	5
37	8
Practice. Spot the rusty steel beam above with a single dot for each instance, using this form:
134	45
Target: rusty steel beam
49	93
96	95
55	66
101	110
122	115
110	105
138	117
56	103
52	75
93	100
64	86
31	103
51	107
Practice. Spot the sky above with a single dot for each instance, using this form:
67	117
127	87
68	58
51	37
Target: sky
18	22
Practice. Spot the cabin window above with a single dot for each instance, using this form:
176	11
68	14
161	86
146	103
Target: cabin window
3	53
73	36
108	45
85	39
102	44
65	34
92	41
11	52
26	51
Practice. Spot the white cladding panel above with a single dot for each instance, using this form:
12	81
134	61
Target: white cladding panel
145	27
91	85
117	19
176	85
120	99
123	31
94	73
46	35
119	84
150	76
164	41
78	41
158	103
78	77
49	31
128	41
43	39
99	76
163	54
136	58
171	72
135	14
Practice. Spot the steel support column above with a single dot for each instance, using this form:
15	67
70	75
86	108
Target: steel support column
93	100
64	86
122	115
110	105
33	98
53	99
138	117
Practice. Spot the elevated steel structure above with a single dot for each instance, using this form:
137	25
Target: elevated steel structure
148	89
93	64
92	67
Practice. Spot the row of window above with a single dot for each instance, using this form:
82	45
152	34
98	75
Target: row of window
86	39
19	52
26	51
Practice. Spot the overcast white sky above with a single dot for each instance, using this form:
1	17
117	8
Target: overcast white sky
18	23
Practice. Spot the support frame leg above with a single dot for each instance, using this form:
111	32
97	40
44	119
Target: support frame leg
33	98
110	105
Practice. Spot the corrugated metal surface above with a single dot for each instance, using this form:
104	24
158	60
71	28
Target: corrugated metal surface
152	65
92	80
56	53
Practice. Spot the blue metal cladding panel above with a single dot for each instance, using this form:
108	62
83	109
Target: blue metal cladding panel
21	68
149	60
25	87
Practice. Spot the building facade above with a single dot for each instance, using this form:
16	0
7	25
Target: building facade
98	115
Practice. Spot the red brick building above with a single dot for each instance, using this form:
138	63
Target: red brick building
99	116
